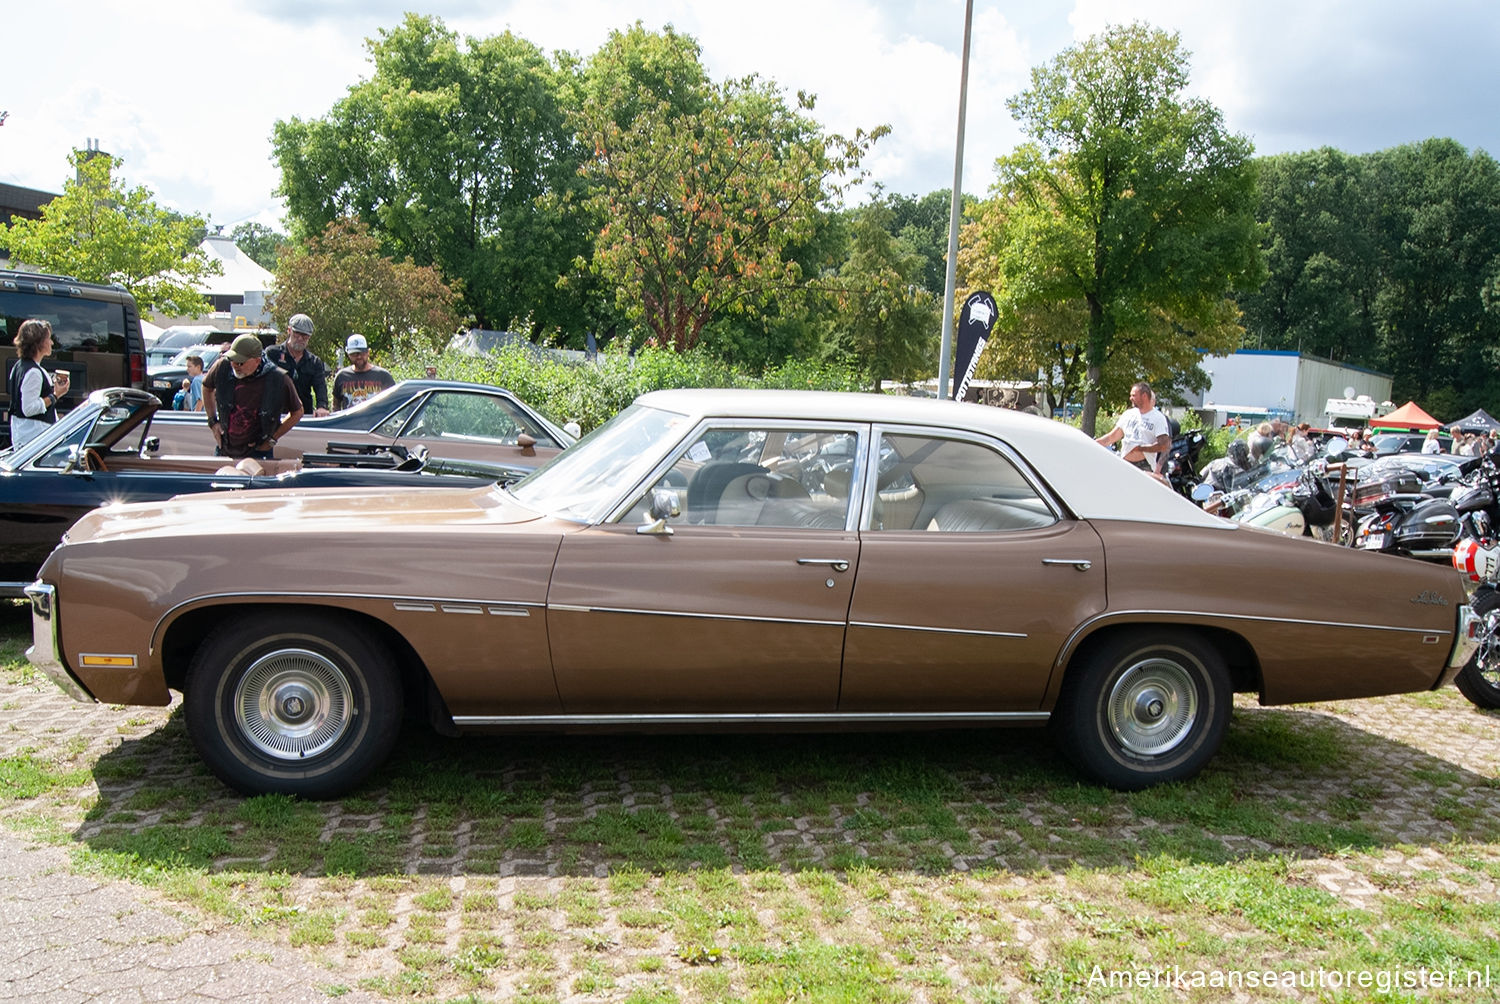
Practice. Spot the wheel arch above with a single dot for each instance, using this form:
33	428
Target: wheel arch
186	633
1238	655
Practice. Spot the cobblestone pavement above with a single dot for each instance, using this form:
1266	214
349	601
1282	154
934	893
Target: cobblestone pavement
1418	772
66	938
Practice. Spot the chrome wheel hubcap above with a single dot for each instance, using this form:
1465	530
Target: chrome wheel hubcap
293	703
1152	707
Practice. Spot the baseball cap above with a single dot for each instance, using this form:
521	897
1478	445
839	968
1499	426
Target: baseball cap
300	323
356	343
244	347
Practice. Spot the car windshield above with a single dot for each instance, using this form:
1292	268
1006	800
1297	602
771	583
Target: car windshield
584	482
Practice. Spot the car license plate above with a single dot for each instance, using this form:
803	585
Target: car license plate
1374	541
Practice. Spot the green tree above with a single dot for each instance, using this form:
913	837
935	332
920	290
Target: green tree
1131	200
258	241
922	223
1046	340
1439	227
457	155
1318	216
703	190
888	321
100	231
341	280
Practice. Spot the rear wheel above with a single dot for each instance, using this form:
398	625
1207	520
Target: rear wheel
292	704
1143	708
1479	680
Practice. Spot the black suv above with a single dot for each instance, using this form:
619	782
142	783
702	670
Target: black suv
96	333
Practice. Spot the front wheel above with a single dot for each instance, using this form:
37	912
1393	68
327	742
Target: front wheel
1479	680
1143	708
292	704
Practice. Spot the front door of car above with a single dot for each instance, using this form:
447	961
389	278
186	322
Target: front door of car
971	579
740	609
473	426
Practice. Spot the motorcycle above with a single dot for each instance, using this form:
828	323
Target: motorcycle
1287	492
1182	460
1476	555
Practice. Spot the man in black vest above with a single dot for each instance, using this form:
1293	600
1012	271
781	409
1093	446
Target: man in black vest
245	397
308	372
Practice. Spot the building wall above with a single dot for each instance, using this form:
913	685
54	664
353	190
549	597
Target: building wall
1321	380
1286	381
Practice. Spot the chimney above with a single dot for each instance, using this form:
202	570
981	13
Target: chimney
88	153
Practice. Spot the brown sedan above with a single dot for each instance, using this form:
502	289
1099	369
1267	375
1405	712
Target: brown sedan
732	559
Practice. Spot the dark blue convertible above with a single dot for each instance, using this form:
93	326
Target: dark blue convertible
103	452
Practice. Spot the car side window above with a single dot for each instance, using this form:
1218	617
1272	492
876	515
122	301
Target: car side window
453	415
952	486
393	424
761	477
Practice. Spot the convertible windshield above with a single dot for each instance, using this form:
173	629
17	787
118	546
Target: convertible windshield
585	481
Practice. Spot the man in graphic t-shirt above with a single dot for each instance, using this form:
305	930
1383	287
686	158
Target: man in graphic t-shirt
1142	431
361	378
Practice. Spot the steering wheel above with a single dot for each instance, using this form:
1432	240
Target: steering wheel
93	460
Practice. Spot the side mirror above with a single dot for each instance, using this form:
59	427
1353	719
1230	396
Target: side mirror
665	505
1202	493
573	429
151	445
527	442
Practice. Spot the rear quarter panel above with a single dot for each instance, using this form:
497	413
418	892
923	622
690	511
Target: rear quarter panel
1325	622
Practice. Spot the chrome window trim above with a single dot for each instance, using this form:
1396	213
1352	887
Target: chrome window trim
861	431
752	718
1033	480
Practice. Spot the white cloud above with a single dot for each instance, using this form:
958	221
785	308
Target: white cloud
188	93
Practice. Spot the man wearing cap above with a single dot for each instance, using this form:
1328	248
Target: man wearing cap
361	378
308	372
246	398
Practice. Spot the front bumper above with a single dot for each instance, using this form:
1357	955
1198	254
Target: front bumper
1465	641
45	653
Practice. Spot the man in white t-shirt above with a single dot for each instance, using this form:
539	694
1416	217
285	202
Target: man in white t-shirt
1141	431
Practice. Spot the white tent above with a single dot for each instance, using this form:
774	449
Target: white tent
241	272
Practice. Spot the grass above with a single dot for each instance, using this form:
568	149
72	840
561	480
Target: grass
968	866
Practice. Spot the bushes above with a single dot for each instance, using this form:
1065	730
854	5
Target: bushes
591	393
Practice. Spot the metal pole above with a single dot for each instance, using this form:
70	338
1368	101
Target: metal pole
945	353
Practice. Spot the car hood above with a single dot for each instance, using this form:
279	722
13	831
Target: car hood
313	511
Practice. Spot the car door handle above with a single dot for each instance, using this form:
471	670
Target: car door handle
837	564
226	484
1082	564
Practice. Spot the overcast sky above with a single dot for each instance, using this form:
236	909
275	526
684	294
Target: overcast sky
187	92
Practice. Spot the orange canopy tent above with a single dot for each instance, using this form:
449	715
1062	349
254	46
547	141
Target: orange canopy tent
1408	416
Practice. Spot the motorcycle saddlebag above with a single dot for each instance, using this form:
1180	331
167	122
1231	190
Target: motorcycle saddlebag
1432	525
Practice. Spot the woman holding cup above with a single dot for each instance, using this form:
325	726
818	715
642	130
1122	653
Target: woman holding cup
34	392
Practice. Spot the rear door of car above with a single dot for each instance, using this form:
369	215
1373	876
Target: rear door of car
971	579
742	607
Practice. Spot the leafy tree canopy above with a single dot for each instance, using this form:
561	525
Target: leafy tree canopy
456	154
100	231
1130	207
888	322
703	189
342	281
